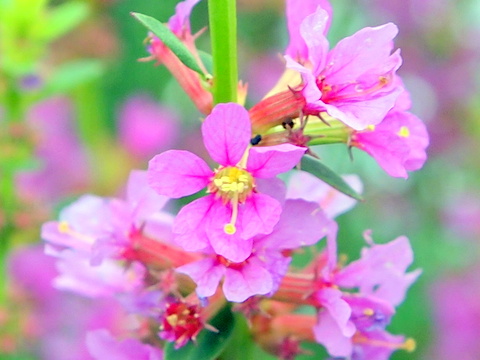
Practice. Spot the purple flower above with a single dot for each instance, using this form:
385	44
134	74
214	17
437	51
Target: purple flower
233	212
51	329
102	345
381	271
302	223
355	82
349	323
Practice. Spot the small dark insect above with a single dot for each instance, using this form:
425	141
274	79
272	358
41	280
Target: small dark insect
288	124
256	140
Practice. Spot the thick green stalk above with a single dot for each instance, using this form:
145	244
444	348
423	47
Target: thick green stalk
223	32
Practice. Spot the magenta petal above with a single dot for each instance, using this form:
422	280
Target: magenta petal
297	11
249	280
328	333
189	225
178	173
331	299
206	273
313	31
259	215
367	49
226	133
310	91
269	161
181	20
233	247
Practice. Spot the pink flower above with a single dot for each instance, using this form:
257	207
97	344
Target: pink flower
354	82
102	227
63	165
302	223
233	212
398	143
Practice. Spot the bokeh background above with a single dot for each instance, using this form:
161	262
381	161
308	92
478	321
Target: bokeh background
89	111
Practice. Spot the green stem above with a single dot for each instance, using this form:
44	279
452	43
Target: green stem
223	32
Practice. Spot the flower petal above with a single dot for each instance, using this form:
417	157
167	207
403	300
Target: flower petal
233	247
297	11
178	173
313	30
258	215
206	273
189	225
367	49
328	333
249	280
269	161
226	133
301	223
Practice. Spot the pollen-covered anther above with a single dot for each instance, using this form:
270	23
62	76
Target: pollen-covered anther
64	227
403	132
408	345
230	182
233	185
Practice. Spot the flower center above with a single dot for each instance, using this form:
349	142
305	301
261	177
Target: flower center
231	182
233	185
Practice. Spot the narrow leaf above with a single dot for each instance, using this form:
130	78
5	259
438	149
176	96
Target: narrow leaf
315	167
170	41
209	344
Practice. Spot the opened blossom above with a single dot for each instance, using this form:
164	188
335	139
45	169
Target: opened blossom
353	323
233	211
398	143
302	223
355	81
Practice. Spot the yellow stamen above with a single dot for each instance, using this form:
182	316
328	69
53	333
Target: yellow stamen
64	228
368	312
230	228
371	127
172	319
408	345
404	132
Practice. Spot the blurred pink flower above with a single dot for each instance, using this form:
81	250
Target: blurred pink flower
63	165
147	128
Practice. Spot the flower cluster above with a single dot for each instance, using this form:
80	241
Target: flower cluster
236	240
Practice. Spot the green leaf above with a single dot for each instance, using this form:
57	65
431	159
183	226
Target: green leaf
62	19
171	41
71	75
315	167
209	344
241	339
